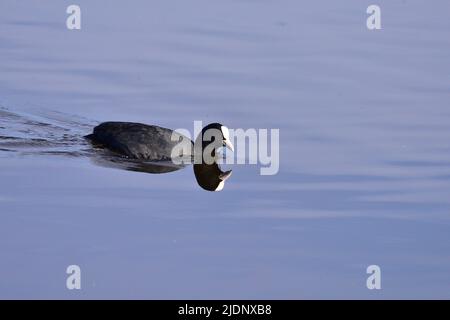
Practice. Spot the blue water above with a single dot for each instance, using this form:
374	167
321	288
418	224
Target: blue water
364	119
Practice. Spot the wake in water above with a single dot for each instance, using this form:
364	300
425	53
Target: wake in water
55	133
46	132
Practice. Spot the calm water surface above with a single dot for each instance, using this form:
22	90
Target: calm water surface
364	119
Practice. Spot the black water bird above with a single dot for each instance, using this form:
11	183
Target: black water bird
154	149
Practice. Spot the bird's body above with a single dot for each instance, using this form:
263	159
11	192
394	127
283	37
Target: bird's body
151	143
137	140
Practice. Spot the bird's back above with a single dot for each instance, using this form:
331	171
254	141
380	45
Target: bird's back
137	140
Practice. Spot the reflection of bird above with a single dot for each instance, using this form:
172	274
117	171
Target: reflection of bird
210	177
148	143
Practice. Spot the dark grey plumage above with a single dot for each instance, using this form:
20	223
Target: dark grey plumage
137	140
149	148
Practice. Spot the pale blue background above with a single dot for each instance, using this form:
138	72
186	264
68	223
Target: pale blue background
364	120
